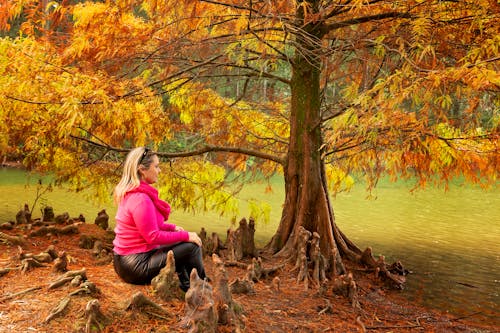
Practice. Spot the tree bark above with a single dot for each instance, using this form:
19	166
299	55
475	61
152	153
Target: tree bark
201	314
165	283
96	319
306	194
307	203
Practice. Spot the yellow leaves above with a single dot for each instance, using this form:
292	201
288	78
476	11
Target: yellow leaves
427	50
259	210
186	105
351	92
379	49
47	103
204	112
444	101
98	25
150	7
85	14
422	26
338	179
241	24
196	184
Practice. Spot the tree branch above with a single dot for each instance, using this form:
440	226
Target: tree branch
196	152
364	19
151	84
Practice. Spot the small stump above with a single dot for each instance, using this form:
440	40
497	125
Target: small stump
165	283
201	315
96	320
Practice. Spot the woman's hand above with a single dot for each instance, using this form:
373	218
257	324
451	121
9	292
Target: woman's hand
194	238
178	228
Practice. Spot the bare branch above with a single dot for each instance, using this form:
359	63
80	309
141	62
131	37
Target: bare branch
360	20
170	77
206	149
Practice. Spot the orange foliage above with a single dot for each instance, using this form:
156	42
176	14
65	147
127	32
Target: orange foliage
408	89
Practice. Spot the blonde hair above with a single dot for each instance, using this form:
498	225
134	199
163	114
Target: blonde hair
130	176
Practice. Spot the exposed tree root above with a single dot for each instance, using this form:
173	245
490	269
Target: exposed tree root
68	277
165	283
86	288
327	309
303	267
362	327
211	244
96	320
87	241
44	230
256	270
61	218
344	285
20	293
140	302
59	309
12	240
7	225
227	308
60	282
200	315
43	257
301	260
236	264
24	215
97	248
48	214
30	263
318	260
101	248
61	263
381	269
242	240
6	270
243	286
102	219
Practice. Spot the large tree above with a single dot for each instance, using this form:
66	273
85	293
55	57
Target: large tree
317	90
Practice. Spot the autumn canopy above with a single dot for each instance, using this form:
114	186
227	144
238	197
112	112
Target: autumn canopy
317	91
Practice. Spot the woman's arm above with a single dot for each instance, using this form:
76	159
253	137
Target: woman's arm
145	218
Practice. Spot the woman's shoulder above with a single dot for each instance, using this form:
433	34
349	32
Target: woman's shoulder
136	197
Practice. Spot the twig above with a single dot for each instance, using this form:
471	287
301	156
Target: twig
466	316
327	308
391	327
157	315
362	326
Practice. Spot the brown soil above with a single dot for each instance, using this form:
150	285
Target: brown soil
292	309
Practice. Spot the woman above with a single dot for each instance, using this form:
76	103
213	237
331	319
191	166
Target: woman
142	237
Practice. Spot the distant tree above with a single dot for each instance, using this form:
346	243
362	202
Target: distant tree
317	90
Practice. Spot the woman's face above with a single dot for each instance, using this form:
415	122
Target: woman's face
150	175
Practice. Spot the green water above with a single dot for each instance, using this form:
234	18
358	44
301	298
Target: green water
449	240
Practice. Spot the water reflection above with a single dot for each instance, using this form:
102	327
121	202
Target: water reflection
450	240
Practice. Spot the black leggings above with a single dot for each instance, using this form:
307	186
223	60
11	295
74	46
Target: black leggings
141	268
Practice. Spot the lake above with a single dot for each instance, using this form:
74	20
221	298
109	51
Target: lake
450	240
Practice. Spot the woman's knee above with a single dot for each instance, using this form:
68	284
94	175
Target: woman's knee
186	249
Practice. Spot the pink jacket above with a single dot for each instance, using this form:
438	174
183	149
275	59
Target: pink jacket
140	226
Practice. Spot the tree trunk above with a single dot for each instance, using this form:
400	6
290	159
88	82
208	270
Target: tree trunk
306	195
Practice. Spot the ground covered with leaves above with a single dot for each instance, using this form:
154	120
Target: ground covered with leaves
27	303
